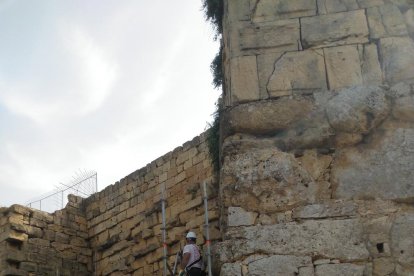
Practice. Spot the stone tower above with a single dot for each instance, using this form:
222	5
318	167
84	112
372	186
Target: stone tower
317	170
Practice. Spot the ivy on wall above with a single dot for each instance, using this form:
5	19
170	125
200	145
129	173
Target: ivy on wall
214	10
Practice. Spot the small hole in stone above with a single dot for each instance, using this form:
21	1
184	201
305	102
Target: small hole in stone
402	251
380	247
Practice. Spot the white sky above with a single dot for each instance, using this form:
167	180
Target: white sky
98	85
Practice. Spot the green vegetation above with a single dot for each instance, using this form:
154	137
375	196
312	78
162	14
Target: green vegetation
213	137
214	10
216	68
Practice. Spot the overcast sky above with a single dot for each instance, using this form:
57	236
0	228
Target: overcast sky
98	85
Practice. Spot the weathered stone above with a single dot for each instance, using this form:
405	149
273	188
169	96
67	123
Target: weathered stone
334	29
238	10
271	10
363	4
397	58
377	231
302	71
265	67
340	269
403	108
370	171
281	35
337	239
358	109
370	66
409	21
265	180
344	139
278	265
331	209
245	83
28	266
343	66
402	241
265	117
316	164
231	269
238	217
386	20
383	266
333	6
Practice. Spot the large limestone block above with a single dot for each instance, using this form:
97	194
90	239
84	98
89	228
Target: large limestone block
409	21
279	265
270	10
331	209
333	6
244	79
343	66
397	56
280	36
334	239
238	216
265	180
231	269
265	68
238	10
381	168
358	109
383	266
302	71
334	29
340	269
402	242
363	4
370	65
316	164
264	117
386	20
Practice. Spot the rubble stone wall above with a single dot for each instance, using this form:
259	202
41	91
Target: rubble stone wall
318	138
33	242
125	219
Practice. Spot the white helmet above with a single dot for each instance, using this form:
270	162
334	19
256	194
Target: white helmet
191	235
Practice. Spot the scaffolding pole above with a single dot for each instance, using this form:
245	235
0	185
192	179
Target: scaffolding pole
207	233
164	244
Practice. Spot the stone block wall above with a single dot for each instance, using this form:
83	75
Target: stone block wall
125	219
317	138
37	243
117	231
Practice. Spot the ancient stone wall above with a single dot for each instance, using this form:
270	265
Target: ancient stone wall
318	138
37	243
117	231
125	220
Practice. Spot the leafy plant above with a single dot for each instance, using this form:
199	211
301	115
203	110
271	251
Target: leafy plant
213	136
216	68
214	10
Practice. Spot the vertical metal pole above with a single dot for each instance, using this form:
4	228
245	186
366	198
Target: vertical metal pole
40	202
163	228
206	229
96	181
62	200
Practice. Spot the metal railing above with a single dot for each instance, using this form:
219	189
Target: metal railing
83	184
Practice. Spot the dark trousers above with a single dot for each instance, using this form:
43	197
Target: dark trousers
194	271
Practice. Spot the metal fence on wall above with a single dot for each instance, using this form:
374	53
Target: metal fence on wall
83	184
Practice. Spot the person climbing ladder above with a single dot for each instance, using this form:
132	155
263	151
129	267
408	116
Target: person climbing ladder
191	260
